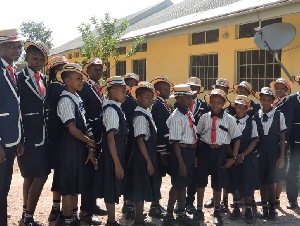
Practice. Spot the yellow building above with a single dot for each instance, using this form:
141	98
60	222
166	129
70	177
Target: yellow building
209	41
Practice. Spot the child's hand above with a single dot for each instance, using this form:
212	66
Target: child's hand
182	170
119	171
91	157
280	163
20	149
229	163
91	143
164	160
239	159
2	155
150	168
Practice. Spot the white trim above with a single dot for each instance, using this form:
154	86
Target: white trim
10	85
99	98
4	114
27	77
44	135
33	113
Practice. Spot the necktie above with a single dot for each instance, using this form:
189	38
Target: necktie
213	137
98	87
189	115
12	74
192	107
39	83
167	105
265	117
237	122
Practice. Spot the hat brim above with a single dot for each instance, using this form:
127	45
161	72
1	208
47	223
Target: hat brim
235	87
40	47
226	104
229	88
297	78
153	82
84	69
188	93
54	65
201	87
133	91
105	87
20	39
272	86
257	95
58	74
234	103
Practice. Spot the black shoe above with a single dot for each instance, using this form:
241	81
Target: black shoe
29	223
157	211
198	215
248	217
76	220
89	218
235	214
124	208
112	224
97	210
176	207
53	215
291	205
130	212
210	203
264	212
272	213
168	219
140	224
182	218
218	221
191	209
224	206
277	203
254	207
60	220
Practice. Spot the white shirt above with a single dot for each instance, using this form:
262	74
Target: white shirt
110	116
267	125
242	125
31	74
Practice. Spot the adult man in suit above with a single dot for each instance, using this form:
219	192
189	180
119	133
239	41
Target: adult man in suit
10	116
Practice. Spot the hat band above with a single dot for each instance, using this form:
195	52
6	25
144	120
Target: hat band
222	84
116	82
179	93
243	102
194	83
267	92
60	62
41	47
12	37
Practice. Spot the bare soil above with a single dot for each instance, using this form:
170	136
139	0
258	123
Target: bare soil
285	216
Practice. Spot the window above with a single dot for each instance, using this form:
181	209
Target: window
205	37
248	30
142	47
76	55
205	67
257	67
122	50
70	56
139	67
121	68
106	74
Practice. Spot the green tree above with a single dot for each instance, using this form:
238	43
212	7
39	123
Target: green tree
102	38
37	31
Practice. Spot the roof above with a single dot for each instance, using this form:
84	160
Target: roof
132	19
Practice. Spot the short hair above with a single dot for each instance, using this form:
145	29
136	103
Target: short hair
52	74
158	84
141	91
66	74
32	49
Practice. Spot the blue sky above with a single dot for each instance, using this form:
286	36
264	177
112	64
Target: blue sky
63	17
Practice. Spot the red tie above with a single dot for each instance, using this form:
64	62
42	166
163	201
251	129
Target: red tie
192	106
167	105
39	83
189	114
213	137
98	87
12	74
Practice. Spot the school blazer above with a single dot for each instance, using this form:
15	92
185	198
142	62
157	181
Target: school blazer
10	115
294	134
33	110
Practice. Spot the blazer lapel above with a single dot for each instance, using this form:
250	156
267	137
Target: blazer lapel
9	81
30	84
95	93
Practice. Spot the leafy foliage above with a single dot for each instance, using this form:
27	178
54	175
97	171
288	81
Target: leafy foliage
102	38
37	31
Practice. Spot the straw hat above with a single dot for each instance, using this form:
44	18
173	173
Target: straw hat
220	93
283	82
244	84
93	60
194	81
114	81
55	61
143	84
244	100
41	46
10	35
162	78
266	91
70	67
132	75
223	82
182	89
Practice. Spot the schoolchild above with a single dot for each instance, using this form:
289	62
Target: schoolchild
54	127
114	144
142	179
161	111
198	108
282	89
223	84
244	175
182	135
77	136
216	129
92	98
292	173
34	165
128	106
271	129
10	118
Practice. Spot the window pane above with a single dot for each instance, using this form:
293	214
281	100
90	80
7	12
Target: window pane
261	71
277	71
247	30
248	58
122	50
255	56
242	58
271	21
262	56
198	38
269	58
269	71
212	36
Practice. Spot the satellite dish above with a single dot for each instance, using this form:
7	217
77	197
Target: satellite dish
274	36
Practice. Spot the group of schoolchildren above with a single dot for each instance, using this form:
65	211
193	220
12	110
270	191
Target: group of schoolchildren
122	137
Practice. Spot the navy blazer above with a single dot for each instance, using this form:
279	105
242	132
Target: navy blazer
294	138
128	106
33	110
10	115
287	108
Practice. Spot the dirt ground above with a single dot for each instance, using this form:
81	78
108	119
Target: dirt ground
285	217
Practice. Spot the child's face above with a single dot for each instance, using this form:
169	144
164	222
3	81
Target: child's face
131	82
216	103
164	90
185	101
280	90
11	51
242	91
74	82
266	101
119	93
225	89
95	71
146	99
36	60
241	110
197	89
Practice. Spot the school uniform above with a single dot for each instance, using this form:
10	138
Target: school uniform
181	132
253	104
269	126
139	185
212	154
244	178
92	98
113	120
161	111
72	152
10	131
34	162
